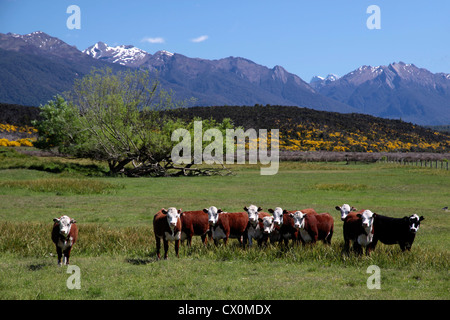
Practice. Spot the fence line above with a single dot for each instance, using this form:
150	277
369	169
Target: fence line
437	164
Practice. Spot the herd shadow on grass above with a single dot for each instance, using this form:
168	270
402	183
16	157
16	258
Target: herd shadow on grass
141	261
326	255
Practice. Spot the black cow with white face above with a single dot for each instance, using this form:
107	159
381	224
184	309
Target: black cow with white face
396	230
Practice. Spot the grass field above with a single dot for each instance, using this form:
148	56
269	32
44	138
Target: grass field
116	247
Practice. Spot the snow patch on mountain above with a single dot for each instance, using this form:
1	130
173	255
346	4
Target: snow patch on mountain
318	81
126	55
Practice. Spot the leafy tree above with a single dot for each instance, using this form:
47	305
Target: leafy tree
116	118
58	126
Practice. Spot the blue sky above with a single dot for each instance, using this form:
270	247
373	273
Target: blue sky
305	37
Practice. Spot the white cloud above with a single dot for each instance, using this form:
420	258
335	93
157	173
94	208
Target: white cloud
153	40
200	39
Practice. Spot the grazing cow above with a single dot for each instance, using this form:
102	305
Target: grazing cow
64	235
313	227
359	229
254	230
396	230
225	225
167	226
194	223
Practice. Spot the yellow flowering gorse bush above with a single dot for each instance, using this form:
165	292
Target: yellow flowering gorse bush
28	131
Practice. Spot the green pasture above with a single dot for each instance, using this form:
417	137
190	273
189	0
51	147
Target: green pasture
116	247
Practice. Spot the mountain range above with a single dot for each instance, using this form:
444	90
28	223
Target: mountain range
36	66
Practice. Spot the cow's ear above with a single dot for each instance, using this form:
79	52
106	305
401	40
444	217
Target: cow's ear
421	218
359	215
180	211
205	210
245	208
338	208
270	210
55	220
259	209
406	218
285	211
164	211
352	209
219	210
73	221
290	214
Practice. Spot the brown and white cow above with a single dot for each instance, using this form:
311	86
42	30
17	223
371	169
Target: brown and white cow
167	227
254	230
283	225
225	225
64	236
358	227
267	225
345	210
194	223
313	227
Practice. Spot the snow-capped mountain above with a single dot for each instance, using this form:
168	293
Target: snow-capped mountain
317	81
126	55
399	90
35	67
39	43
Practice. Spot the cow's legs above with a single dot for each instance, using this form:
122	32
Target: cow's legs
166	248
204	239
67	255
346	246
158	247
59	253
177	245
357	247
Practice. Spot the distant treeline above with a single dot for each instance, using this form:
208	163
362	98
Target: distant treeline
304	129
284	117
301	129
442	128
18	115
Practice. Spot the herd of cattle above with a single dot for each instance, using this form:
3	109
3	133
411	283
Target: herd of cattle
364	228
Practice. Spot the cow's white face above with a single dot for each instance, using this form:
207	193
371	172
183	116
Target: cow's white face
345	210
172	215
65	224
277	216
367	220
253	211
213	215
268	224
414	223
299	219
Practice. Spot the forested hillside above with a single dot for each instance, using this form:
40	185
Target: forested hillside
301	129
306	129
